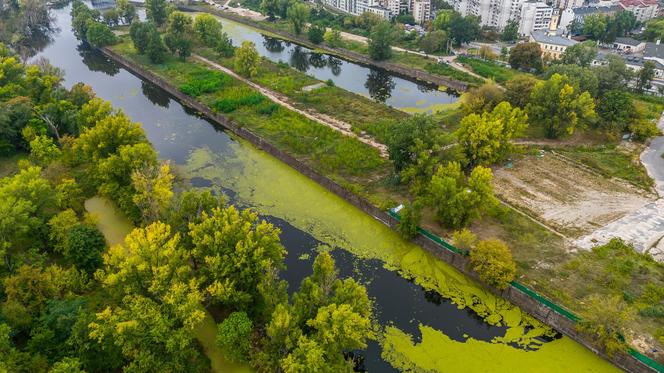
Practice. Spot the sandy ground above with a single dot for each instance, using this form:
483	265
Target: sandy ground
337	125
570	199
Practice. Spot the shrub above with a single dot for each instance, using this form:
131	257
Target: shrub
206	81
83	247
236	98
267	108
234	336
411	215
492	260
642	130
464	239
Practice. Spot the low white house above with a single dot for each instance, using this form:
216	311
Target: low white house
627	45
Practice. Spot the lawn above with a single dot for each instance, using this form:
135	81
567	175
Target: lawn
488	69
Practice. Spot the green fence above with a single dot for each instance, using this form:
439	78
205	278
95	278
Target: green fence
531	293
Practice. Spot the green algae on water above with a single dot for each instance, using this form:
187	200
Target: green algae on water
112	223
437	352
274	188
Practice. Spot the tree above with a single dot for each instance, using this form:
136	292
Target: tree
59	227
83	247
327	319
126	10
492	260
153	187
100	35
654	29
179	32
111	17
464	29
558	107
486	53
644	76
518	90
457	200
443	19
510	32
298	15
486	139
140	33
483	98
582	78
405	18
380	41
156	11
270	8
434	41
247	59
402	138
234	336
234	255
208	29
594	26
156	50
157	303
526	56
316	34
615	110
581	54
612	76
410	217
464	239
43	150
67	365
333	38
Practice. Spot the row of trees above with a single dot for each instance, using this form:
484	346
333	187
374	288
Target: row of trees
142	307
605	28
88	26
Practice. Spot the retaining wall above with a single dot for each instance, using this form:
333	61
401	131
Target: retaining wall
341	52
527	303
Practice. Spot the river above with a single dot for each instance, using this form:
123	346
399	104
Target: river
433	318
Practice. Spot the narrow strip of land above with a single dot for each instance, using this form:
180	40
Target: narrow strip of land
336	124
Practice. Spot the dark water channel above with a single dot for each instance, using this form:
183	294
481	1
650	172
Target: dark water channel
176	132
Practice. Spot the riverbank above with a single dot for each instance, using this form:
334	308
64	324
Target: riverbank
515	295
410	70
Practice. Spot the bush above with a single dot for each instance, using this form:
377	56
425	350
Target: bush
267	108
411	215
100	35
206	81
464	239
234	336
84	246
642	130
236	98
492	260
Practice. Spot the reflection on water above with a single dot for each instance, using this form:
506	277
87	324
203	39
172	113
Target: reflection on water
380	85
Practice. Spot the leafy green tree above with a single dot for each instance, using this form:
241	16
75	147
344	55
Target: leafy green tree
333	38
100	35
492	260
156	50
316	34
59	227
582	78
526	56
464	239
111	17
518	90
270	8
208	29
434	41
247	59
558	107
154	190
179	32
614	75
654	29
457	200
157	308
140	33
234	336
233	254
464	29
402	138
380	41
581	54
188	208
67	365
443	20
84	246
126	10
69	195
298	14
486	139
43	150
510	32
645	76
643	129
328	318
53	328
410	215
481	99
156	11
81	18
594	26
615	110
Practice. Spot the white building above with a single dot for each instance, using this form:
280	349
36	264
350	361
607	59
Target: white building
421	10
571	14
642	9
627	45
383	12
492	13
535	16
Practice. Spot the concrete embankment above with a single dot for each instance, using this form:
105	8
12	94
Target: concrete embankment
526	302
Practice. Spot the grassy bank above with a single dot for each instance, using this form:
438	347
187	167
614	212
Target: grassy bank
490	70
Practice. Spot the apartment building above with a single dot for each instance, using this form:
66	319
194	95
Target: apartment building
492	13
571	14
421	10
535	16
642	9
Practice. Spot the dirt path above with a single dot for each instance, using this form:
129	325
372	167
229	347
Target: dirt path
326	120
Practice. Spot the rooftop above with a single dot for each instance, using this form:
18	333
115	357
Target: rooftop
585	10
543	37
654	50
628	41
628	3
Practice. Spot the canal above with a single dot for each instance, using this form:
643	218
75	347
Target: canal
431	317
